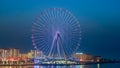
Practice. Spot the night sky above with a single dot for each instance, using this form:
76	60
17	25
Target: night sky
99	20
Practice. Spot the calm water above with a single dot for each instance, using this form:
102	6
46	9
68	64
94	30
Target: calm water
115	65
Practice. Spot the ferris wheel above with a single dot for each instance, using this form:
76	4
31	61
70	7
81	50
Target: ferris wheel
56	32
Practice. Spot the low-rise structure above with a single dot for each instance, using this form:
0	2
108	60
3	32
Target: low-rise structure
83	57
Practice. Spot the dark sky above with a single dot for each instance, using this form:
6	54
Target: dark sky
99	20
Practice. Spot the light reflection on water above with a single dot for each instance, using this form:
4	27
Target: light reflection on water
98	65
37	66
72	66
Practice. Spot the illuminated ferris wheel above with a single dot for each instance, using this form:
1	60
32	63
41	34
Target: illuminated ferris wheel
56	32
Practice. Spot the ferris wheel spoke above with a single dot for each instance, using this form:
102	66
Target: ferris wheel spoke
45	16
39	34
70	19
39	25
38	30
65	18
42	45
39	20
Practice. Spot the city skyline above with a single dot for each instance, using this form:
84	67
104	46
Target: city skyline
15	57
99	20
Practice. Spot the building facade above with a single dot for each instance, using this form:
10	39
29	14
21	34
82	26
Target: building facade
83	57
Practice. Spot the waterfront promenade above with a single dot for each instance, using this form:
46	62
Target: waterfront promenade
67	64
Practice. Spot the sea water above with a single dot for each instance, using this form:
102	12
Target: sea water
108	65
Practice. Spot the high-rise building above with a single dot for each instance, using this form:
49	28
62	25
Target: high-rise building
13	52
1	53
5	53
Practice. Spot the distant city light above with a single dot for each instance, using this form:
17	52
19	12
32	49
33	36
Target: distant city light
79	53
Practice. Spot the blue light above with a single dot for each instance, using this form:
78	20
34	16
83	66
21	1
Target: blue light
36	61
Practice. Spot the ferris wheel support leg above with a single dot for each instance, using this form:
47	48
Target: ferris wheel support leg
51	47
